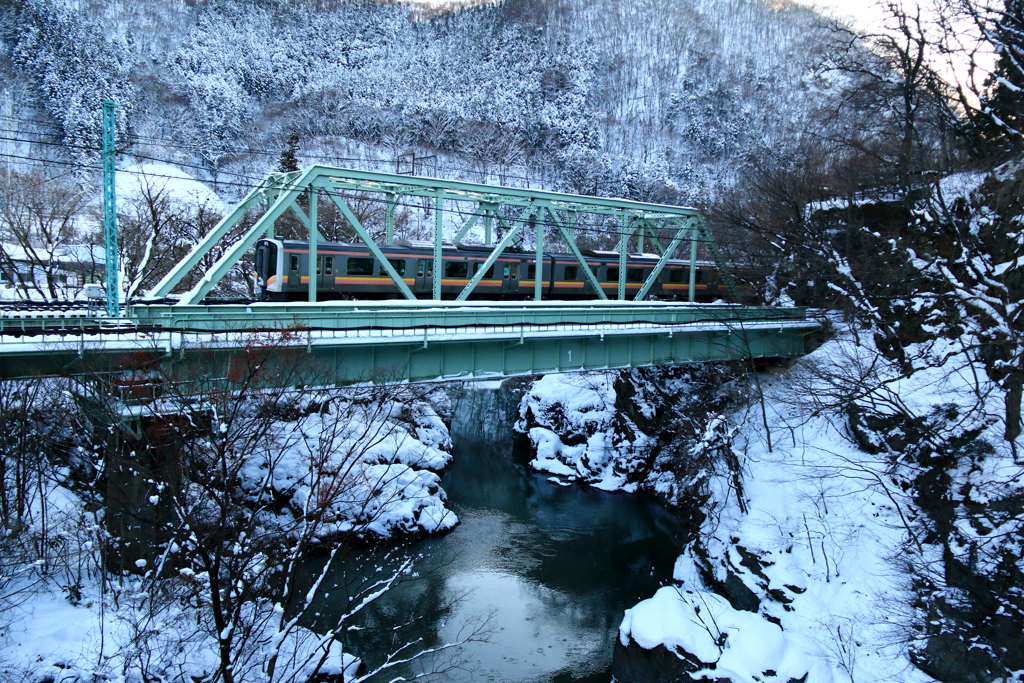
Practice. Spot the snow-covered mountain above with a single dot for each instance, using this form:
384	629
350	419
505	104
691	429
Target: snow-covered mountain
652	99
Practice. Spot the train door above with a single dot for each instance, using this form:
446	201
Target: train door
424	276
325	273
510	275
610	282
588	289
294	281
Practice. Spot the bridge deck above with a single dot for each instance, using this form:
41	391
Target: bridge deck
414	340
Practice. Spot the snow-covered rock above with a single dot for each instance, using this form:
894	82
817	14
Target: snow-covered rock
372	466
712	640
621	430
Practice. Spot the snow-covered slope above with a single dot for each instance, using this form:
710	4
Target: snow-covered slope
820	552
357	467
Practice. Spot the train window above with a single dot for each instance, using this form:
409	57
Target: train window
571	273
531	271
398	264
515	271
295	262
508	271
700	277
328	265
360	266
634	274
457	269
675	275
425	267
319	263
488	274
613	273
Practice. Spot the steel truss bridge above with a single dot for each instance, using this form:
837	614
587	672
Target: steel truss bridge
512	212
409	339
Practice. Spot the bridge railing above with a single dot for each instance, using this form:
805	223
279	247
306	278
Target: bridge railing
415	342
363	317
25	325
386	319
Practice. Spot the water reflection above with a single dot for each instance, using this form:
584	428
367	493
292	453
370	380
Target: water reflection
553	566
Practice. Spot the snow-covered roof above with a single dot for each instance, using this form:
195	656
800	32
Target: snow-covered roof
69	254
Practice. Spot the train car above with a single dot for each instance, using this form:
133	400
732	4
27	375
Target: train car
345	270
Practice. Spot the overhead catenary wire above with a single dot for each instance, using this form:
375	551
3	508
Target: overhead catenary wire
197	149
174	144
251	180
545	223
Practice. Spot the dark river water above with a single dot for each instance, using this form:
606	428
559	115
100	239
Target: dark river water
550	569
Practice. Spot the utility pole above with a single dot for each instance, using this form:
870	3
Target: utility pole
110	209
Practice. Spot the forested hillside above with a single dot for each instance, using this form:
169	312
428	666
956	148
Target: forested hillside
635	98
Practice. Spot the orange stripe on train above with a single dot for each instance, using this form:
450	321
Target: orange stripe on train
368	280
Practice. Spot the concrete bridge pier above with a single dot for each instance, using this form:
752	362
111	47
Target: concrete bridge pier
143	475
143	468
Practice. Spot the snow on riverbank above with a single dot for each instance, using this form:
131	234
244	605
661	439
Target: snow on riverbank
375	463
384	458
800	567
50	640
721	641
604	429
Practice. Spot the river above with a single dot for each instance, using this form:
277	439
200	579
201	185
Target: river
550	568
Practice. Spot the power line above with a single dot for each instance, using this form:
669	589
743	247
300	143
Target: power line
169	143
252	152
533	221
174	144
604	230
530	221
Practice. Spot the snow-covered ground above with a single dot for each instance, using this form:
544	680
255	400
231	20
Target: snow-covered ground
137	179
374	466
51	640
801	566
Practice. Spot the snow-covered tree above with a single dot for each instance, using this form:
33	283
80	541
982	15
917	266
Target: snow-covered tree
75	65
245	504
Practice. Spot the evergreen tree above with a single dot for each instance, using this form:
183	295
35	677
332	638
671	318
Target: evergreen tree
74	67
1006	105
288	160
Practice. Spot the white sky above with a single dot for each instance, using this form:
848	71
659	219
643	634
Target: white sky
861	13
866	15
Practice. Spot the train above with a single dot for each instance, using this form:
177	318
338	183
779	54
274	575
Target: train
349	271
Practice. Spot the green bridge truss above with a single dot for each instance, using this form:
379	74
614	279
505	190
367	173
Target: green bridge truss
509	211
414	340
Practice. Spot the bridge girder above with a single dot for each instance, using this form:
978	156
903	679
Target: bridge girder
405	341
